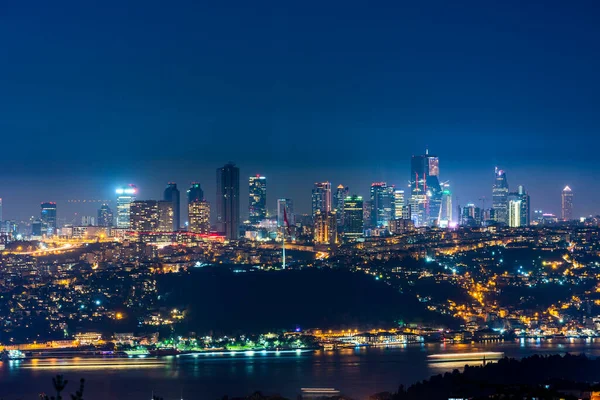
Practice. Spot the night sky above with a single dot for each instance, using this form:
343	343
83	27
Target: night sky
94	94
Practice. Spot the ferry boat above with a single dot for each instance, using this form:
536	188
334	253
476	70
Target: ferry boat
13	355
475	356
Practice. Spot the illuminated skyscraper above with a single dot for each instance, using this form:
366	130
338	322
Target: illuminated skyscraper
48	218
353	217
382	204
172	195
1	211
228	201
426	192
338	203
105	216
166	215
288	206
195	193
125	196
199	216
325	228
567	204
257	204
470	215
525	206
399	203
321	198
500	197
367	207
143	216
514	213
446	211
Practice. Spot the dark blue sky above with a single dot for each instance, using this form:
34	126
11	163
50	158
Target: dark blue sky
99	93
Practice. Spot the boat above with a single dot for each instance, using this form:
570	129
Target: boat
475	356
328	346
13	355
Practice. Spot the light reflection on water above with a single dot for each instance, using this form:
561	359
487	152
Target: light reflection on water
358	372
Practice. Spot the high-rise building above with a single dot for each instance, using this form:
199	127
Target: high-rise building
48	218
321	198
500	197
567	204
353	216
257	204
525	206
125	196
446	211
166	215
367	207
382	204
426	191
195	193
288	206
399	203
143	216
514	212
199	216
339	197
172	195
470	215
1	211
325	228
88	220
228	201
105	216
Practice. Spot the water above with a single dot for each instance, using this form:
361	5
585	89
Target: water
356	372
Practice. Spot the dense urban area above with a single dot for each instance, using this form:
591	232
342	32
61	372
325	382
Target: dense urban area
143	282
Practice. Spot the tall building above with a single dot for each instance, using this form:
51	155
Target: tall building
367	207
382	204
125	196
228	201
195	193
525	206
426	191
48	218
567	204
353	216
257	204
172	195
321	198
446	211
88	220
288	206
500	197
325	228
514	212
339	197
166	215
470	215
199	216
105	216
1	211
143	216
399	203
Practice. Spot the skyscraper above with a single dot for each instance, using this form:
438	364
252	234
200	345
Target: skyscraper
288	206
166	215
426	192
143	216
228	201
172	195
257	204
199	217
339	197
195	193
470	215
525	206
446	211
1	211
500	197
105	216
325	228
514	212
382	204
398	203
353	216
567	204
321	198
125	196
48	218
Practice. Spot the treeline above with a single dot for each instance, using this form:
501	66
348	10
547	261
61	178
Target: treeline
543	377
